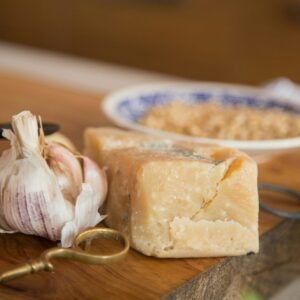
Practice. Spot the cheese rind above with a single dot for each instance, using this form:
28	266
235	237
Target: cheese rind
177	199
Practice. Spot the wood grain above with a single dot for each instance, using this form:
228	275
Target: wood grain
137	276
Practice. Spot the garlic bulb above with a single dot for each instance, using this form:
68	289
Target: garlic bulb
46	189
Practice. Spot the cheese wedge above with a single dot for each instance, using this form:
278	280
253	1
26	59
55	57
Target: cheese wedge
177	199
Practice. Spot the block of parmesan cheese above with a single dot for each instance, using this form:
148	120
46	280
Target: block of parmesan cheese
177	199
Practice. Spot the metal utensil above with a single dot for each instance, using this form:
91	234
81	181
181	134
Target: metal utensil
49	128
280	189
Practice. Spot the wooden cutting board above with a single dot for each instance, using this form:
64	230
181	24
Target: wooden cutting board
138	276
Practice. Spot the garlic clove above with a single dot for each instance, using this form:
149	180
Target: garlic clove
67	169
86	215
96	177
60	139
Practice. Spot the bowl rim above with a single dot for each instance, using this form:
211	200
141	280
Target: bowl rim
109	102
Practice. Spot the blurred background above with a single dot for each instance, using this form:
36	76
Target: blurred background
233	41
101	45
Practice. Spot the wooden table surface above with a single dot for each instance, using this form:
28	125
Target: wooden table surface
137	276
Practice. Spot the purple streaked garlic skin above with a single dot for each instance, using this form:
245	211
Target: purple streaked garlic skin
46	189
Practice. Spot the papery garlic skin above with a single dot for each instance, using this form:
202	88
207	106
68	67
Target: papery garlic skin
31	200
51	201
80	222
5	160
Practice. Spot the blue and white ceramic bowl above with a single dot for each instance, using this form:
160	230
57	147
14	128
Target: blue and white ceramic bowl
126	106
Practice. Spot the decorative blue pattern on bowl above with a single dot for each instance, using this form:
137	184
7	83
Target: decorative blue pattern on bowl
133	107
126	106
